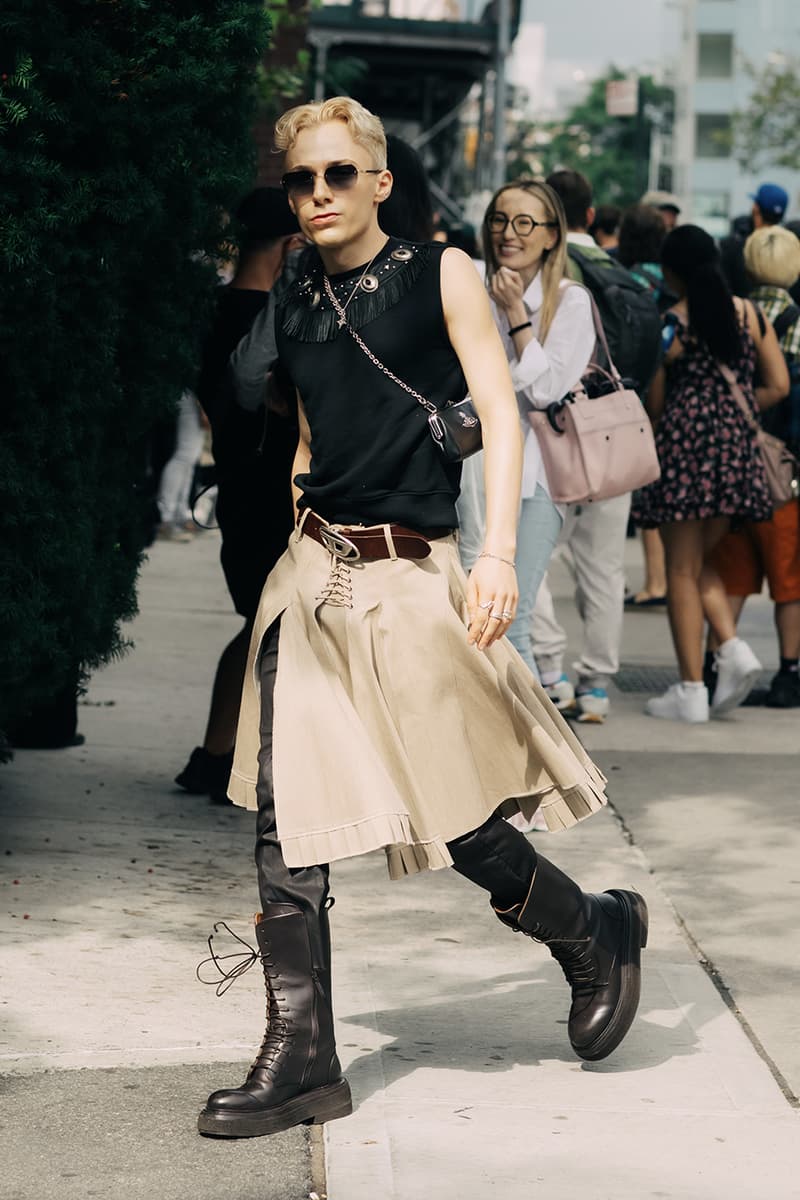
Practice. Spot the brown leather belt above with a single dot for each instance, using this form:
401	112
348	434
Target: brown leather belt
354	542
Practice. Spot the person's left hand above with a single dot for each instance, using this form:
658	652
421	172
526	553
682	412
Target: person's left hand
492	598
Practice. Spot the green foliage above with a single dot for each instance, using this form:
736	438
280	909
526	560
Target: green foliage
124	134
344	74
613	152
281	85
767	132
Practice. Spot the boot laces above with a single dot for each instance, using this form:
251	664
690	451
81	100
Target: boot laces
243	961
573	957
275	1042
279	1029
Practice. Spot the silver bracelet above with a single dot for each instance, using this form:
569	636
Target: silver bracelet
508	561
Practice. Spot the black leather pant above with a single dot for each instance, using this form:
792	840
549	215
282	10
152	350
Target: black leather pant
495	856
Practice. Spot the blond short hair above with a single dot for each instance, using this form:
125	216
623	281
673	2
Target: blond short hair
365	128
772	255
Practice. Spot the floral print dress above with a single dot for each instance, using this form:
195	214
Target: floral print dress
710	463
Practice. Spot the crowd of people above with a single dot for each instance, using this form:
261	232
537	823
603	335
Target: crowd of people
538	236
711	532
371	569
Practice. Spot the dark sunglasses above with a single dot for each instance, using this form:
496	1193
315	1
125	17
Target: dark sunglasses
521	224
339	178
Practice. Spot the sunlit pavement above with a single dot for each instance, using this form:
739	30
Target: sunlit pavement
451	1028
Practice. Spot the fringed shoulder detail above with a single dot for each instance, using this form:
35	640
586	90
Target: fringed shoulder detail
307	315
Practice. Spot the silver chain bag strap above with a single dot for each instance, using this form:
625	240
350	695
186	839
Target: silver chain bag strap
456	428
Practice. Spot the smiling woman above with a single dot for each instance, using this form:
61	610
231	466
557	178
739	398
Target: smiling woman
549	336
525	230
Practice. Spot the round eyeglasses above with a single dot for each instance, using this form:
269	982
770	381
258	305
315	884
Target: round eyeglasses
521	224
339	177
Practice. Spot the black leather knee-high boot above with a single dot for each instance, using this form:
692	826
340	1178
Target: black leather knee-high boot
597	940
296	1077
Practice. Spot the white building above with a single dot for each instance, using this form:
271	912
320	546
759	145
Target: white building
720	39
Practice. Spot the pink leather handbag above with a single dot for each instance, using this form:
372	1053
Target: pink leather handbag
594	448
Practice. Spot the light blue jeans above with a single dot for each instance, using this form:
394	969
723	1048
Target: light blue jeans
537	534
539	528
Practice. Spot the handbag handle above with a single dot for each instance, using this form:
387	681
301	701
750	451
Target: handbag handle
600	334
594	368
736	391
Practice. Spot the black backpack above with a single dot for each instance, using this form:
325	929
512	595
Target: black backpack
629	313
783	420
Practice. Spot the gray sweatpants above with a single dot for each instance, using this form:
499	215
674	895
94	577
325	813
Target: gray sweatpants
594	537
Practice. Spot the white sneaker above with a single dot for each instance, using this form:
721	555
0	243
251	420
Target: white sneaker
592	705
561	693
680	703
168	532
737	671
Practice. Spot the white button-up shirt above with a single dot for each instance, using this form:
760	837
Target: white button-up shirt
547	371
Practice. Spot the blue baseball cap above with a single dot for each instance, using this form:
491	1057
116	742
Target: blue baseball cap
771	199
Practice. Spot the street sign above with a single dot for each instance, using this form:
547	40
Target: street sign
622	97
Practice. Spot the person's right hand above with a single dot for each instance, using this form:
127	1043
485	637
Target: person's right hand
507	289
492	598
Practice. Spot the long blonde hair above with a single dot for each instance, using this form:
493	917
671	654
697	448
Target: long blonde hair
554	261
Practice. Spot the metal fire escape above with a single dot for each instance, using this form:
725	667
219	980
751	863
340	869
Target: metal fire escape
419	75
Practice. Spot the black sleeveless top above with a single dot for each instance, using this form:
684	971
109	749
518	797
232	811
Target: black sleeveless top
373	459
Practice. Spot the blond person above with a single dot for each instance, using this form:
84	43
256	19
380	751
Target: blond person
548	336
383	707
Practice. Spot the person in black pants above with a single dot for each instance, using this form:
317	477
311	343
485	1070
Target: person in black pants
253	454
390	710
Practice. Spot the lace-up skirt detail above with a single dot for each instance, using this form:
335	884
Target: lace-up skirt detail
389	730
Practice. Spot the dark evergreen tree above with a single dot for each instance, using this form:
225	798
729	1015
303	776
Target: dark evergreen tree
125	132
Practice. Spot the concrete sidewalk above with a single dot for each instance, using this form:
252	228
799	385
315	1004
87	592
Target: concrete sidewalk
452	1029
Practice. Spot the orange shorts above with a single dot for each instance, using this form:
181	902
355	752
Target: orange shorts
763	548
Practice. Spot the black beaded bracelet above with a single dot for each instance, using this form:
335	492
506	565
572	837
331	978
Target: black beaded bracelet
519	328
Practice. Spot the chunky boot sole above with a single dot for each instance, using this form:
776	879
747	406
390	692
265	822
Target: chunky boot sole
310	1108
634	939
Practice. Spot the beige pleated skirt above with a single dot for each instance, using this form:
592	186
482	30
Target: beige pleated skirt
389	729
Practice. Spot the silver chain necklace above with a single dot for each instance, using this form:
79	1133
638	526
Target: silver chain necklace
365	280
426	404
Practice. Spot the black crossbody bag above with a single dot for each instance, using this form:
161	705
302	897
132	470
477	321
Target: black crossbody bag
455	428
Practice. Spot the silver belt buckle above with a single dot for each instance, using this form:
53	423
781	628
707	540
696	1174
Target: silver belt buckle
336	543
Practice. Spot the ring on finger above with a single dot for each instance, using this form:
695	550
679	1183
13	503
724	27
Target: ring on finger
488	604
495	617
507	616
